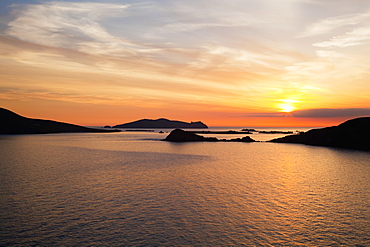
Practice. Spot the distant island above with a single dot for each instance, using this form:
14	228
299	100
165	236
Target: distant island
12	123
275	132
243	131
353	134
268	132
162	123
179	135
220	132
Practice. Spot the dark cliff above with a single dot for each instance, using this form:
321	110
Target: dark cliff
12	123
161	123
353	134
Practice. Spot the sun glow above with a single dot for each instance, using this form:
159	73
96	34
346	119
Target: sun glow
287	105
286	108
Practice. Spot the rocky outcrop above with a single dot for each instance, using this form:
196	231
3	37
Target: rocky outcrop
179	135
244	139
12	123
162	123
353	134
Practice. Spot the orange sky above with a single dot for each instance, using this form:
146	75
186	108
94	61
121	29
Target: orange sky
240	63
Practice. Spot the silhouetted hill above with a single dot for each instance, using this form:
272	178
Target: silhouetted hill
354	134
12	123
179	135
161	123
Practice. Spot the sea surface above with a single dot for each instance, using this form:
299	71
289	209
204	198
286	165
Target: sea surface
132	189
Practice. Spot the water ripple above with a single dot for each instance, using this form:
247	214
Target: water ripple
61	191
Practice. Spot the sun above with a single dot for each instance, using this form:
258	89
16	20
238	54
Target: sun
287	105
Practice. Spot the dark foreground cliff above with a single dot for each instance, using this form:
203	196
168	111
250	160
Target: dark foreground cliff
353	134
162	123
179	135
12	123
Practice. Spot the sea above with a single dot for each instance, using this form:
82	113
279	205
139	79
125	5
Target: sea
133	189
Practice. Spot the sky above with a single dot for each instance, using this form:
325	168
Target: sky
226	63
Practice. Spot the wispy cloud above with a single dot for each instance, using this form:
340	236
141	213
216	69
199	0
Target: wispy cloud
227	58
328	25
137	43
77	26
360	36
329	54
63	24
240	55
335	34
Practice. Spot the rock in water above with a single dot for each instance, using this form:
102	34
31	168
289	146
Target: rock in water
244	139
179	135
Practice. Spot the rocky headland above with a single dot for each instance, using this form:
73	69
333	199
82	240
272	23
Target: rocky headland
162	123
12	123
179	135
352	134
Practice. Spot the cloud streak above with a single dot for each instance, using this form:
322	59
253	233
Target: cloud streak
332	113
316	113
331	24
56	22
360	36
66	25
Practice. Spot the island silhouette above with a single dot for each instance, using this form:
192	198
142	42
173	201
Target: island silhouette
12	123
162	123
352	134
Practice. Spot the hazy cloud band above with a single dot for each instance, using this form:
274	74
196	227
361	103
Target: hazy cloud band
328	113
